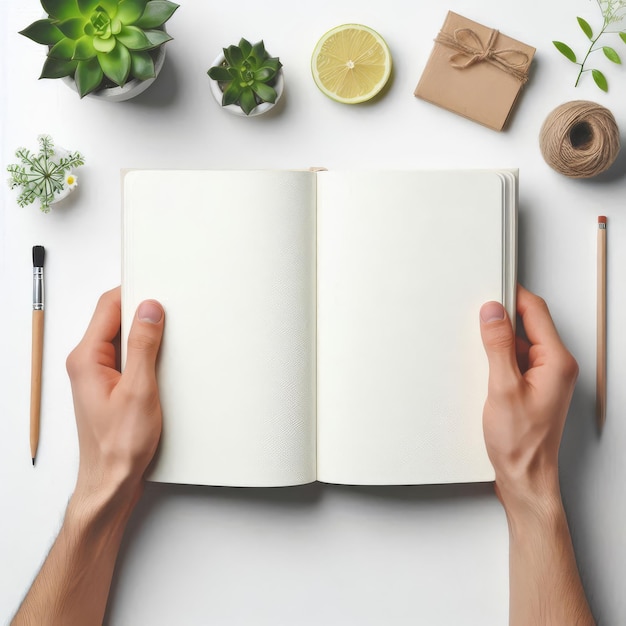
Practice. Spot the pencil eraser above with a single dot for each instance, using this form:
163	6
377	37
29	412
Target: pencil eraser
601	219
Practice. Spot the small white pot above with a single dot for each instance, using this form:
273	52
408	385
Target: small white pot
235	109
131	89
68	187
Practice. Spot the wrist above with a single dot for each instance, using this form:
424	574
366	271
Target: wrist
107	498
533	507
526	486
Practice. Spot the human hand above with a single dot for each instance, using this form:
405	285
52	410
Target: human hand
530	388
118	416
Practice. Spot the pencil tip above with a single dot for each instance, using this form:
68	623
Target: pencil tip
33	461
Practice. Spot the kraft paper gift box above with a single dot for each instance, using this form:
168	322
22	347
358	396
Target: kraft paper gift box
475	71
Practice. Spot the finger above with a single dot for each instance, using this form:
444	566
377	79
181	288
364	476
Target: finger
536	318
106	319
144	340
500	344
96	348
522	348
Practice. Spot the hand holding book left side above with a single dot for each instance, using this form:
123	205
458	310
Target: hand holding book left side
118	418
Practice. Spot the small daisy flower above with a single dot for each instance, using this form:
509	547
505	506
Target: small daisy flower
71	180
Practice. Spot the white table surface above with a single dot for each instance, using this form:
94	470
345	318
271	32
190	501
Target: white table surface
317	554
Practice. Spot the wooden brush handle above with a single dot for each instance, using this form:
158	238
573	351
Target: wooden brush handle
35	381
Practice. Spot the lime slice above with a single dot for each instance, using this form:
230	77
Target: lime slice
351	63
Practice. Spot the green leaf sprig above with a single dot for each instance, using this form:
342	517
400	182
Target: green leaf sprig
612	11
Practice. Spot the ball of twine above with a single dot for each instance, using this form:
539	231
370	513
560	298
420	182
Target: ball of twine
580	139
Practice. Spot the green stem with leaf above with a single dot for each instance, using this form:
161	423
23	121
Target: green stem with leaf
610	15
591	49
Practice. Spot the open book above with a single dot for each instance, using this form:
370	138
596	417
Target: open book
320	325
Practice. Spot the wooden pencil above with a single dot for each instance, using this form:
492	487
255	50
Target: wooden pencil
601	325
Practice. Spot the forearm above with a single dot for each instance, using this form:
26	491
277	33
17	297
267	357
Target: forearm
545	586
73	584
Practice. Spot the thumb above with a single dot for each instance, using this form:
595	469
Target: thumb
499	342
144	340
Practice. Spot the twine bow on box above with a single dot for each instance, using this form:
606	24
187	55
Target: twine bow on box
470	50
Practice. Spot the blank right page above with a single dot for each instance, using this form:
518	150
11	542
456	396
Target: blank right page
405	260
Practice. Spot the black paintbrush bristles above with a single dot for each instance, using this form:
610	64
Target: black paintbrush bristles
38	256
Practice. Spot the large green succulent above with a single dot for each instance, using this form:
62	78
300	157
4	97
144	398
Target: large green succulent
96	40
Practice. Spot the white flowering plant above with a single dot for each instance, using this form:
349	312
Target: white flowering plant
48	176
613	13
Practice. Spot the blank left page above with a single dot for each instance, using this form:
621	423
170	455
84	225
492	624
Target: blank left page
231	256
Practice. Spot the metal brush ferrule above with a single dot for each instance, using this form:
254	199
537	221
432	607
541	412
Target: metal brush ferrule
37	288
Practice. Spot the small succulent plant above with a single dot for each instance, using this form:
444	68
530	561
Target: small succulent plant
48	175
96	40
247	75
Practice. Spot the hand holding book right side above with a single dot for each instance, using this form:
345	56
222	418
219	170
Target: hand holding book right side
531	382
